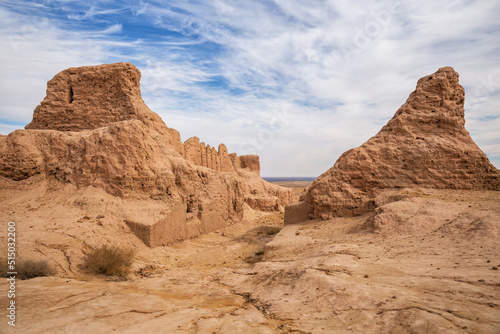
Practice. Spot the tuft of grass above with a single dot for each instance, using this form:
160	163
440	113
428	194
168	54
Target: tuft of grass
27	269
110	261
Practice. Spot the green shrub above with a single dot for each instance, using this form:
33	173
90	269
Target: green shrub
110	261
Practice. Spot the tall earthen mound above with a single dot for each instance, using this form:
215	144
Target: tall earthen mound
424	145
94	130
91	97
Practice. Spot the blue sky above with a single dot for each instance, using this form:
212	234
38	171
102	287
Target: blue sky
296	82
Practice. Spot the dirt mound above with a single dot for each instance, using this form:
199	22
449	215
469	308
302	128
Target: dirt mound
94	130
425	145
452	213
91	97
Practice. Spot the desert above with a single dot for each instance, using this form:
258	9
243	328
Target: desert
400	235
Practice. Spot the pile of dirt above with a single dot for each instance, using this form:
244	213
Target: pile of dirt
425	145
453	213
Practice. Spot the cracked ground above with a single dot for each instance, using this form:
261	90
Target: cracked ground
427	265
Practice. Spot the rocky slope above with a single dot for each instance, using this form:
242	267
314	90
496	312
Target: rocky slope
425	144
94	130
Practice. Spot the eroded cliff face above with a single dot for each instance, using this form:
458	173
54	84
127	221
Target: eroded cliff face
425	145
90	97
94	130
206	156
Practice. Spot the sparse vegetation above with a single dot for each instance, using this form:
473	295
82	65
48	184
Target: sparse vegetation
27	269
110	261
34	268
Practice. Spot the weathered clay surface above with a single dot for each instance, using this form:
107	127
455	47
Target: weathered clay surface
425	144
438	273
430	265
94	130
206	156
413	275
296	213
91	97
249	162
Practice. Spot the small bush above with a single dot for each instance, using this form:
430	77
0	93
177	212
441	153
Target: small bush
3	267
27	269
34	268
110	261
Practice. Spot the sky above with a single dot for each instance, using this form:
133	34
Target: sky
296	82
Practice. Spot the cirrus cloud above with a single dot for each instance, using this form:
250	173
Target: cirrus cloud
297	83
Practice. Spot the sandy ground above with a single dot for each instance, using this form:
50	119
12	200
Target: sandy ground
426	263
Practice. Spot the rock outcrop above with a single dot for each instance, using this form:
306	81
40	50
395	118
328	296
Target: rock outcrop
424	145
94	130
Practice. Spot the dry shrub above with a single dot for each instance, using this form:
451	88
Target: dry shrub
34	268
3	267
110	261
27	269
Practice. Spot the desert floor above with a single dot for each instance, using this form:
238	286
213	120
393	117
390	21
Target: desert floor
426	263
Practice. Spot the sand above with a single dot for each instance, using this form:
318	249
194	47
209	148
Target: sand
258	276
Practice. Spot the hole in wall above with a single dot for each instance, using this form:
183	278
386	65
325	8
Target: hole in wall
70	96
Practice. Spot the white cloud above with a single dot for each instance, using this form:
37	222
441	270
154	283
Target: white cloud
339	70
115	28
31	56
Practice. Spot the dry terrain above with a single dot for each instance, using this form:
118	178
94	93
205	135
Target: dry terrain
426	261
215	250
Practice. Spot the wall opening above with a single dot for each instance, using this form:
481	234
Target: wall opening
70	97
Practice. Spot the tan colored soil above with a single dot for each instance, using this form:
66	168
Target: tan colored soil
358	274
